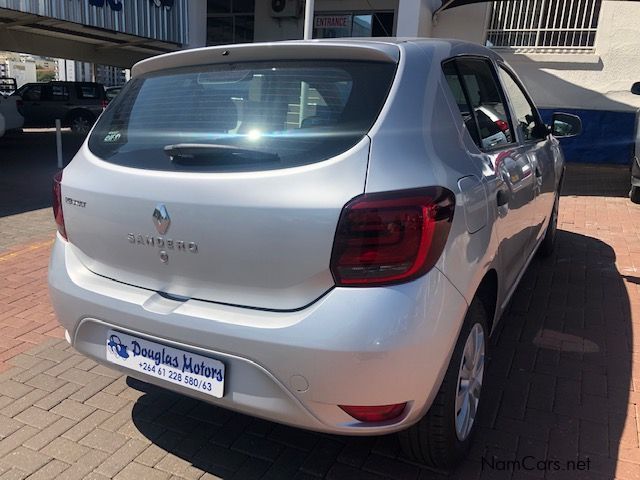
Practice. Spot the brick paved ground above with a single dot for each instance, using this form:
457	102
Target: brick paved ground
563	383
25	228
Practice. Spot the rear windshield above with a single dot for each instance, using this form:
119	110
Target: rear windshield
243	116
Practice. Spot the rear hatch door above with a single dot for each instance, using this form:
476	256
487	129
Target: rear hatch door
225	182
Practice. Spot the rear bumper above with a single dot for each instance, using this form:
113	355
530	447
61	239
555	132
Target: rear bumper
354	346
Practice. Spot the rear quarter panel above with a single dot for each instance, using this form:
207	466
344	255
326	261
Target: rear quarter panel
421	141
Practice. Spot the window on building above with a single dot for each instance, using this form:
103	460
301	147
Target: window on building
553	25
480	100
230	21
368	24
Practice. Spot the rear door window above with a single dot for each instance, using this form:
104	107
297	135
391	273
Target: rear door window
89	91
480	100
54	92
527	118
242	117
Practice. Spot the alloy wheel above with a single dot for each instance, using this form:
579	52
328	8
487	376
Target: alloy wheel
80	125
469	385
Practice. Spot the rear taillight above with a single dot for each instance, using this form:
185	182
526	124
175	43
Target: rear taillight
502	125
104	103
57	204
391	237
374	413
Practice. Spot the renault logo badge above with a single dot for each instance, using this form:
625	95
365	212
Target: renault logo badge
161	219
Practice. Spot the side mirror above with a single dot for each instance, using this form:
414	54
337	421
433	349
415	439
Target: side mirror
566	125
635	88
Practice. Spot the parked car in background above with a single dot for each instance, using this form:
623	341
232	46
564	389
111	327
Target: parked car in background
112	92
76	104
634	193
340	272
10	108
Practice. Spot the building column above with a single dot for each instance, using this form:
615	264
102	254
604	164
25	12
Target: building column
197	24
415	18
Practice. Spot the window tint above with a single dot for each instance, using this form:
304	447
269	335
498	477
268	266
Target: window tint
89	91
453	80
480	101
527	119
56	92
243	117
32	93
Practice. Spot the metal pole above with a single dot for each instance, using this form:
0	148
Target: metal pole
308	19
59	143
308	35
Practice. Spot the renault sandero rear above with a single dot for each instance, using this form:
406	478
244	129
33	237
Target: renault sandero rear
316	233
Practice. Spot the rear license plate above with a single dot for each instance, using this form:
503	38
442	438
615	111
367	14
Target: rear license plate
190	370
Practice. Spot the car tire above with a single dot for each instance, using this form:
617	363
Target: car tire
81	123
634	194
441	439
549	242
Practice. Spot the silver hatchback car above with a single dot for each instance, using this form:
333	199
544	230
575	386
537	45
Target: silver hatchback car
322	233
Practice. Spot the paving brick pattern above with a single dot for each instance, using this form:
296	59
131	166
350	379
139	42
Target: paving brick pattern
26	315
563	384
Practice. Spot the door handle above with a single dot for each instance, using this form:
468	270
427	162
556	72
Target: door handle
502	197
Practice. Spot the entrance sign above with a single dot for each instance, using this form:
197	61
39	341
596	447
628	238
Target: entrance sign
333	21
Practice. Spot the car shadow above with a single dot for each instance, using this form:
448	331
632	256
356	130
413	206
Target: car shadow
556	392
28	162
560	372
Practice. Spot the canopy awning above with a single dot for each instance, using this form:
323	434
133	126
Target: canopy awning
440	5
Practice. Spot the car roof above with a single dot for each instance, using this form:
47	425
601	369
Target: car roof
374	49
62	81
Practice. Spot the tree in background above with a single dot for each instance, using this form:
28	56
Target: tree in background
45	75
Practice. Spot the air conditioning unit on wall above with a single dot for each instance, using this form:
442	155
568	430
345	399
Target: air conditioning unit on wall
285	8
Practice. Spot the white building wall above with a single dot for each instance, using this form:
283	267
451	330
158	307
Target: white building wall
593	81
600	80
198	23
23	70
468	22
414	18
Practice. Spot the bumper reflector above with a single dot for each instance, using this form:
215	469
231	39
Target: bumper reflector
374	413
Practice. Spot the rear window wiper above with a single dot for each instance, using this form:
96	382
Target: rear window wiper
191	153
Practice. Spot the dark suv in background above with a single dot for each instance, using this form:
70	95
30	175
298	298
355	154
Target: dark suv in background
76	104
